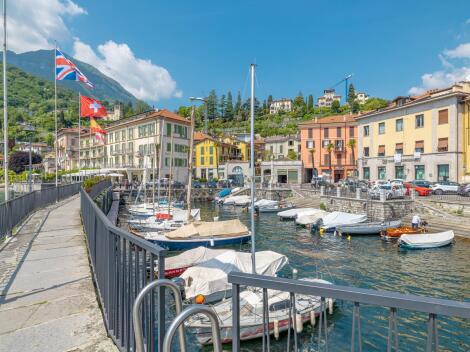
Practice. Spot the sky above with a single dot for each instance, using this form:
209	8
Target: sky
166	51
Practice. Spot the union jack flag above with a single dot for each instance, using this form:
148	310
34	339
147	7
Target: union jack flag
65	70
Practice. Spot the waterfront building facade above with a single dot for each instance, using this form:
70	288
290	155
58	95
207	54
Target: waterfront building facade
243	145
282	170
328	97
39	148
329	147
280	105
417	138
280	146
67	148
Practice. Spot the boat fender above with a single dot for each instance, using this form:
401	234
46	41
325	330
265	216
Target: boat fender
298	321
276	329
334	233
312	317
349	237
294	273
330	306
212	242
340	234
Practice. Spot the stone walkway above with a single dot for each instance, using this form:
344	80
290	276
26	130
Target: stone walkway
47	298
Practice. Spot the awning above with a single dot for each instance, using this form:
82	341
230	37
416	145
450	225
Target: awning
419	144
442	143
381	149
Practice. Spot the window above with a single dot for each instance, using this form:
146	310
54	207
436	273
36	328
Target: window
291	143
366	173
326	132
168	147
237	170
168	129
382	128
325	143
202	160
326	159
130	133
123	135
211	150
399	148
442	172
280	149
366	131
351	132
338	159
381	151
366	151
400	172
443	117
419	121
443	145
381	172
201	150
338	131
310	144
399	125
419	172
310	133
419	147
211	160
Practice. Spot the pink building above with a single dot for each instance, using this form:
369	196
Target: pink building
329	139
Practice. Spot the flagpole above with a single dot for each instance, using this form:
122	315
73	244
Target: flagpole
79	133
5	104
55	120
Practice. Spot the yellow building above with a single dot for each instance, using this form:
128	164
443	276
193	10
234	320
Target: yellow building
242	146
417	138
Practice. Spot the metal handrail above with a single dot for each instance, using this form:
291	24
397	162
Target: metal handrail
138	333
188	312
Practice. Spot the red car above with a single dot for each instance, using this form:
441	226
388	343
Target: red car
421	191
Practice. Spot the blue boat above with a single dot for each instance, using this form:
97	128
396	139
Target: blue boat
225	192
181	245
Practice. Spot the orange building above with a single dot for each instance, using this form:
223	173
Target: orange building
333	142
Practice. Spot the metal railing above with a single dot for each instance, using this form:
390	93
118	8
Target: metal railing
433	307
14	211
122	265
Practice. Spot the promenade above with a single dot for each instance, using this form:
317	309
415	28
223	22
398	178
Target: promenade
47	298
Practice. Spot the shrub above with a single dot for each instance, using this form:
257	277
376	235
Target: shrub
322	206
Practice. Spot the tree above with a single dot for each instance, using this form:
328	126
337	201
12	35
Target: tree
351	95
374	104
310	103
222	104
335	107
299	103
329	149
212	105
355	107
140	107
19	160
238	104
291	154
352	145
229	107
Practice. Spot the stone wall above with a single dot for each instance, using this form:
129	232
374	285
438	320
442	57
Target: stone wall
376	210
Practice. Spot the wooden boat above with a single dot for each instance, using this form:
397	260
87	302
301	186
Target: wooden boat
395	233
368	228
426	240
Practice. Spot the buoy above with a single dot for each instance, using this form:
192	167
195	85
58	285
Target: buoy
298	321
212	242
276	329
294	273
322	231
334	233
349	238
330	305
312	317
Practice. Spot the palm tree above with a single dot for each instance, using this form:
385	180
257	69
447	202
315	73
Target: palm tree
312	152
329	149
352	145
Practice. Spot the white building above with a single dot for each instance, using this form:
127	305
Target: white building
282	171
116	114
328	98
361	98
36	147
280	105
280	146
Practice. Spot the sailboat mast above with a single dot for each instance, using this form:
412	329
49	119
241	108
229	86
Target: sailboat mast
252	167
160	157
171	169
190	162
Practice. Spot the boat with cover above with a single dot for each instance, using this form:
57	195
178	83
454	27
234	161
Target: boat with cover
271	206
176	265
426	240
395	233
209	279
202	233
310	217
368	228
292	214
332	220
237	200
251	314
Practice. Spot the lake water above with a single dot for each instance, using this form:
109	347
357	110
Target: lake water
366	262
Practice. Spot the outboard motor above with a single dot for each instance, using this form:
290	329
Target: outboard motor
316	226
181	284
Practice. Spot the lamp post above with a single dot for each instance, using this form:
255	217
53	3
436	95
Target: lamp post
30	129
204	100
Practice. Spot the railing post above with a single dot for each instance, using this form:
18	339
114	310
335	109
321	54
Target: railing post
358	193
322	191
235	318
338	192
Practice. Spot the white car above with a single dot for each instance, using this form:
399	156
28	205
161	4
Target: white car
445	187
391	192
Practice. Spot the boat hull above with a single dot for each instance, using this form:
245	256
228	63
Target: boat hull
405	245
180	245
368	229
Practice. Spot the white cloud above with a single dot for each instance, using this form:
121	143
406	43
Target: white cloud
140	77
453	70
34	24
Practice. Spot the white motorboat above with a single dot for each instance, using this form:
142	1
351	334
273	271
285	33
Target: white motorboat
209	279
251	314
310	217
176	214
237	200
330	221
292	214
426	240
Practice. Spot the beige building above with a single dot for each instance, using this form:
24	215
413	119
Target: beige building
36	147
280	105
328	97
280	146
362	98
116	114
67	151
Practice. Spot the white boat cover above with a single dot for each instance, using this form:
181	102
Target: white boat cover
177	215
292	213
308	217
193	257
236	199
266	203
226	228
211	276
338	218
428	239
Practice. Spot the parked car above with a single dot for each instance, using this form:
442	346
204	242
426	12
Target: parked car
197	184
397	182
445	187
420	190
421	183
464	190
211	184
391	192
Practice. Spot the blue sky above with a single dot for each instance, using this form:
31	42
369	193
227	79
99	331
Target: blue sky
298	45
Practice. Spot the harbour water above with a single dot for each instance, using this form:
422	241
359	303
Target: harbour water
365	262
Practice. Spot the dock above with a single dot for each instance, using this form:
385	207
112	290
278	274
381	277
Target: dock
47	297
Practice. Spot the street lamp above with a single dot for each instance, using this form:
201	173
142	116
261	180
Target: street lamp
30	129
204	100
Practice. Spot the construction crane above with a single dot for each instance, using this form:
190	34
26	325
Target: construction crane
346	86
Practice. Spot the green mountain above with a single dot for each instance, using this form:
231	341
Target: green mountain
41	64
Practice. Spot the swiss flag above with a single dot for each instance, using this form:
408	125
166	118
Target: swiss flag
90	107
